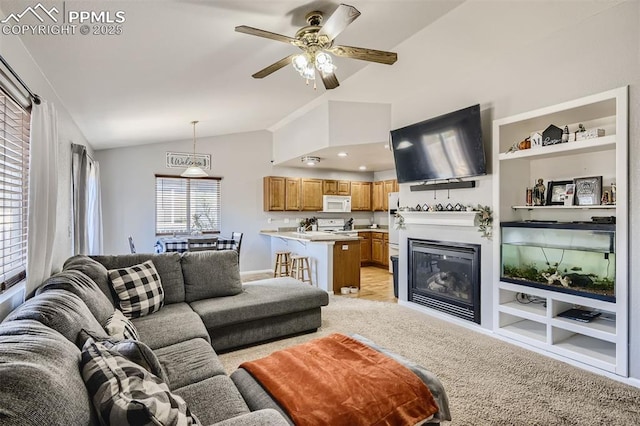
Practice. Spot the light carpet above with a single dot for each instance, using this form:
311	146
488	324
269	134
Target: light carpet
489	382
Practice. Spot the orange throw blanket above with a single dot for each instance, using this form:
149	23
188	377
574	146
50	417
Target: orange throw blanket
338	380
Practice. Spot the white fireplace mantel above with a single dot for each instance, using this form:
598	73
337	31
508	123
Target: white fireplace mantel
439	218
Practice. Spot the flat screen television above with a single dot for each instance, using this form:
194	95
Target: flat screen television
444	147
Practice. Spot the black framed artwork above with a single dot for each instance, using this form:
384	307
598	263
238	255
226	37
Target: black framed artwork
555	192
588	190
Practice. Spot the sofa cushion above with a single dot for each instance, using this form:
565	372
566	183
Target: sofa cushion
138	288
167	265
62	311
119	327
40	383
210	274
189	362
94	270
256	418
260	299
85	288
125	393
172	324
214	399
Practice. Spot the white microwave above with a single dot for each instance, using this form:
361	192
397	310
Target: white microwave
336	203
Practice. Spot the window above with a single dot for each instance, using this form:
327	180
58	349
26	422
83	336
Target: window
14	181
185	205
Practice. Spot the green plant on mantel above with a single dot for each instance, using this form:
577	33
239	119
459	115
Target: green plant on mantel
484	221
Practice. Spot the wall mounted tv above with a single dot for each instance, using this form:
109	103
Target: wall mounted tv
444	147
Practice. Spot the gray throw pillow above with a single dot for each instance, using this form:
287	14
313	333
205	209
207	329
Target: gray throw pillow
210	274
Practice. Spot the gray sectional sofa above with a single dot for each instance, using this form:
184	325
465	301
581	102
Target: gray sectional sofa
41	341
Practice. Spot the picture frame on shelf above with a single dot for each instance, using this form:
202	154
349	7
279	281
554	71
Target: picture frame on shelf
556	190
588	190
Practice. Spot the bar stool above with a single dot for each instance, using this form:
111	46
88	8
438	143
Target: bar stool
283	263
300	264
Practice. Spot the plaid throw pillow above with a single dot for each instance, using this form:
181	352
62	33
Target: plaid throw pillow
125	393
120	327
138	288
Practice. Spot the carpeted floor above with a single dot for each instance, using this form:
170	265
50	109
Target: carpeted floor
489	382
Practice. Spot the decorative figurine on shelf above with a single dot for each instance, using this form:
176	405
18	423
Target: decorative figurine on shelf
565	134
538	193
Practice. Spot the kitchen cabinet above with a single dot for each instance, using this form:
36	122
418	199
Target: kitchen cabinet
292	194
273	193
311	195
365	247
346	264
385	251
361	196
378	196
336	187
377	248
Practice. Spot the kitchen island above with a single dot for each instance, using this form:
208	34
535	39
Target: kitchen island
334	258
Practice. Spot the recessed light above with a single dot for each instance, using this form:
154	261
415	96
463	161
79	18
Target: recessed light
342	154
386	146
363	167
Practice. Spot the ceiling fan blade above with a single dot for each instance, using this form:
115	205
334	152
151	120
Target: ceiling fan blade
274	67
266	34
365	54
329	80
339	20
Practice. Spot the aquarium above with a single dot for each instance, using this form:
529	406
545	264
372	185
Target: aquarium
574	258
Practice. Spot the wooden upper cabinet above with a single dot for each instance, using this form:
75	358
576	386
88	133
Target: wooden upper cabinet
273	193
361	196
336	187
330	187
344	187
312	194
292	194
378	196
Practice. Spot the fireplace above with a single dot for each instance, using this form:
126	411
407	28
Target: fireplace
445	276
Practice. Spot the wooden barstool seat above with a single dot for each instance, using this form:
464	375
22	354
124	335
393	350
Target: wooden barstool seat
300	265
283	264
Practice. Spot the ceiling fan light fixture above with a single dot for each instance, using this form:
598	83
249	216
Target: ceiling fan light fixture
300	62
310	160
194	171
324	63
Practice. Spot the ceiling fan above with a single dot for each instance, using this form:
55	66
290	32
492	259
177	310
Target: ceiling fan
316	42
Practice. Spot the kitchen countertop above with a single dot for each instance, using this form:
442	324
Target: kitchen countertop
383	230
313	236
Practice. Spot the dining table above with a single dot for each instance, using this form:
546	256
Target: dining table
180	244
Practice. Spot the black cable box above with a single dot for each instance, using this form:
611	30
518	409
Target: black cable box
603	219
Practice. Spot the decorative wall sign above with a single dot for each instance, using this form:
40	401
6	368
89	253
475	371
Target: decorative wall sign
552	135
588	190
182	160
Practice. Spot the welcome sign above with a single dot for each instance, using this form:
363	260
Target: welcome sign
182	160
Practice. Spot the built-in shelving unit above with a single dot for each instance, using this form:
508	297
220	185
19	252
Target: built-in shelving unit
603	342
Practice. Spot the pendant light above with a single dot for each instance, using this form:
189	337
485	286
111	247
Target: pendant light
193	171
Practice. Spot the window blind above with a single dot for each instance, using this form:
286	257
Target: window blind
185	205
14	183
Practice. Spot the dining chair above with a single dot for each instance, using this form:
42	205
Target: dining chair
202	244
132	247
237	237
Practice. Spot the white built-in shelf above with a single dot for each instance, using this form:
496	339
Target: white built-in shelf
597	328
578	147
439	218
583	347
595	207
516	308
528	329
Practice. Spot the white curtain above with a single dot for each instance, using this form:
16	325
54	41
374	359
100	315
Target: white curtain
87	209
43	194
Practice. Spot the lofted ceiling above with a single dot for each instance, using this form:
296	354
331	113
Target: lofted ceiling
178	61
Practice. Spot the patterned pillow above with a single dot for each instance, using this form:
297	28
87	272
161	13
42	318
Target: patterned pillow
138	288
125	393
120	327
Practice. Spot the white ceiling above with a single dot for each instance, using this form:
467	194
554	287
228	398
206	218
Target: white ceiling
178	61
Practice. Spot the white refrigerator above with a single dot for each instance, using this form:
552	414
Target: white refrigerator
393	232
